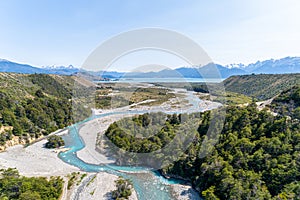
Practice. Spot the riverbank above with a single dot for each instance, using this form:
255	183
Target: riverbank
35	160
93	130
91	133
182	191
97	186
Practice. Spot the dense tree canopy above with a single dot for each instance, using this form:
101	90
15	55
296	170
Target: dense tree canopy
35	105
132	134
13	186
257	155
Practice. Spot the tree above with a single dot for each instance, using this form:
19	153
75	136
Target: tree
209	194
54	141
39	93
124	189
8	117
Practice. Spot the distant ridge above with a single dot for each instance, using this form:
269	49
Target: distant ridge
281	66
9	66
207	71
261	86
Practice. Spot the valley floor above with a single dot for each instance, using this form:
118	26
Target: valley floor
35	160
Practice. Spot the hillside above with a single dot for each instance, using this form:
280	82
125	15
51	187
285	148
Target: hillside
288	103
262	86
34	105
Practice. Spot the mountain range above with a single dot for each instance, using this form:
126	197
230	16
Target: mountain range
9	66
272	66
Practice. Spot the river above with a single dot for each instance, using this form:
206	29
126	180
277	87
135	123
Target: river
148	184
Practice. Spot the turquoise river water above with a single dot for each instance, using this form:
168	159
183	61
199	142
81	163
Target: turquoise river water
148	184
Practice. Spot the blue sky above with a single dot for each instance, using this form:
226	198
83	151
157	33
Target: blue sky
52	32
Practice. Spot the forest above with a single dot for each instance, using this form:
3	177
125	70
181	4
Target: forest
34	105
257	155
13	186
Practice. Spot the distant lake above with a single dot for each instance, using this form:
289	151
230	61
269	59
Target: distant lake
163	80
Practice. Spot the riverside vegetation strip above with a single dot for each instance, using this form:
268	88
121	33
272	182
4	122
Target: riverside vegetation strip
110	95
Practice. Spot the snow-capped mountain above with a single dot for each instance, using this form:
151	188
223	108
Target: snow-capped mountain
280	66
235	65
271	66
59	67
